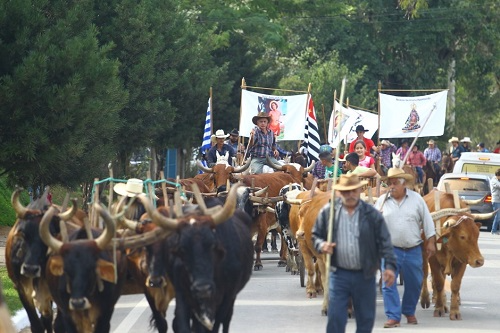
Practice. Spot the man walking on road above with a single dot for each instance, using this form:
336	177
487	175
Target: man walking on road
406	214
361	239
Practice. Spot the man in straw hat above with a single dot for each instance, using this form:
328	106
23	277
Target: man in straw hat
433	155
457	149
406	214
466	141
360	239
262	143
384	154
130	189
220	151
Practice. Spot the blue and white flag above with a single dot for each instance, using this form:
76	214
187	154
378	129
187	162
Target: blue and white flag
206	144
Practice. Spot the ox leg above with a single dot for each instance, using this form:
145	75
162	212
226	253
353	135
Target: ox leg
320	263
274	244
283	254
157	316
424	294
438	279
456	281
261	235
35	322
310	268
182	316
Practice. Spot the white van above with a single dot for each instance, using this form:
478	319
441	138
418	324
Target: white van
484	163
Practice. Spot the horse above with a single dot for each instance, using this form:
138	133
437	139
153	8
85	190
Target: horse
447	164
431	172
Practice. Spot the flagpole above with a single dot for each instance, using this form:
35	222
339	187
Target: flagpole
377	160
332	116
331	219
240	138
211	113
324	122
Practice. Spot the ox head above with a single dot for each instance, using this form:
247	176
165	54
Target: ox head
79	262
223	173
297	171
282	208
195	251
28	252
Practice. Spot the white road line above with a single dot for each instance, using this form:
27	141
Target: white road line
132	317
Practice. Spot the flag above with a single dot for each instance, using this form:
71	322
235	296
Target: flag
404	117
207	132
311	136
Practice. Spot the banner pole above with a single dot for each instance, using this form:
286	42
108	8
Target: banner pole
211	113
324	122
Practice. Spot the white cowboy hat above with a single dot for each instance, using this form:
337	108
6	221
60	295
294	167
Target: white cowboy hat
398	173
466	139
219	134
430	142
385	142
349	182
454	139
133	187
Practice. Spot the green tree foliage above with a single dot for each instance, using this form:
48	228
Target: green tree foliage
60	94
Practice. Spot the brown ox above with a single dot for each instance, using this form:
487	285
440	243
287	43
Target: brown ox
302	219
264	221
300	174
457	234
222	173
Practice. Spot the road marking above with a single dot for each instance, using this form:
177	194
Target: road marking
132	317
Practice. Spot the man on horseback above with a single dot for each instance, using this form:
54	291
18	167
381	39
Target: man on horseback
417	159
433	155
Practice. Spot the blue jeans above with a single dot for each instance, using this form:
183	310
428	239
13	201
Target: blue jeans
420	174
342	285
257	164
409	262
494	226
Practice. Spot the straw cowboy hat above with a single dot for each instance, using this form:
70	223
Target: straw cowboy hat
133	187
466	139
259	116
385	142
349	182
219	134
430	142
454	139
398	173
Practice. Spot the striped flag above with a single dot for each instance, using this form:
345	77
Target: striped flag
206	144
311	136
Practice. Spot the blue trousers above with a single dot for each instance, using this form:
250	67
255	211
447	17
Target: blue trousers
342	285
420	174
409	262
494	226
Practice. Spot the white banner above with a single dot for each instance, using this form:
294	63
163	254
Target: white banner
288	114
403	117
350	119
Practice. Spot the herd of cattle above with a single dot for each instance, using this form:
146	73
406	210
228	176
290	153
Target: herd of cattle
198	250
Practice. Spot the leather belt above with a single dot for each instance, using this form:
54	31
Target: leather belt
407	248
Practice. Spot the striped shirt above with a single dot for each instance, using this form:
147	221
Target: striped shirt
263	144
348	254
406	219
432	154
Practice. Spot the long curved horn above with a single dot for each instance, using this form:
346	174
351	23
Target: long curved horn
243	167
294	201
473	202
109	232
160	220
49	240
309	168
448	212
67	215
484	216
262	191
228	210
204	168
449	223
199	198
272	165
16	204
137	241
266	200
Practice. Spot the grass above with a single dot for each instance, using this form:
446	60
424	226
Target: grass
10	293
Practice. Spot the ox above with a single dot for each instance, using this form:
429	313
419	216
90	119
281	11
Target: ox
300	174
302	220
458	234
26	255
209	260
222	173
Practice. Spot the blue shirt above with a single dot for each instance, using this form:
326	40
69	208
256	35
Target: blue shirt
263	143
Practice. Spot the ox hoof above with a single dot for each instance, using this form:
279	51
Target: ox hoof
455	316
294	272
425	303
439	313
323	312
281	263
287	269
257	267
312	295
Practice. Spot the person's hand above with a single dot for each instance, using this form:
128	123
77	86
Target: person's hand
327	247
389	276
276	153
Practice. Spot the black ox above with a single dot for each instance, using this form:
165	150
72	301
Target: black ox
209	258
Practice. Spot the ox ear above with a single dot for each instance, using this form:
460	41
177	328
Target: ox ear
105	270
56	265
445	234
479	224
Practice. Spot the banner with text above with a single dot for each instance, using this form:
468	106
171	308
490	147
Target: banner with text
350	119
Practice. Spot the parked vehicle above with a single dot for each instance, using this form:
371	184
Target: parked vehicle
483	163
471	186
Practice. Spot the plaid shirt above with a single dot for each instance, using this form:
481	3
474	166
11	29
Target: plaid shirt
433	154
416	159
263	144
386	155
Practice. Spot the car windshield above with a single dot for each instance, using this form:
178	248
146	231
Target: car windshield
467	184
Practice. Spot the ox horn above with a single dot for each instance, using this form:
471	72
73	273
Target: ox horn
107	235
449	223
294	201
67	215
228	210
49	240
204	168
309	168
120	214
160	220
243	167
448	212
484	216
261	192
272	165
18	207
473	202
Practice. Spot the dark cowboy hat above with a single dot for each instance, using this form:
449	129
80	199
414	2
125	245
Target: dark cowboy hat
234	132
259	116
360	128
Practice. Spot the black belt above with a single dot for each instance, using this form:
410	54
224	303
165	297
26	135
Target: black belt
407	248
